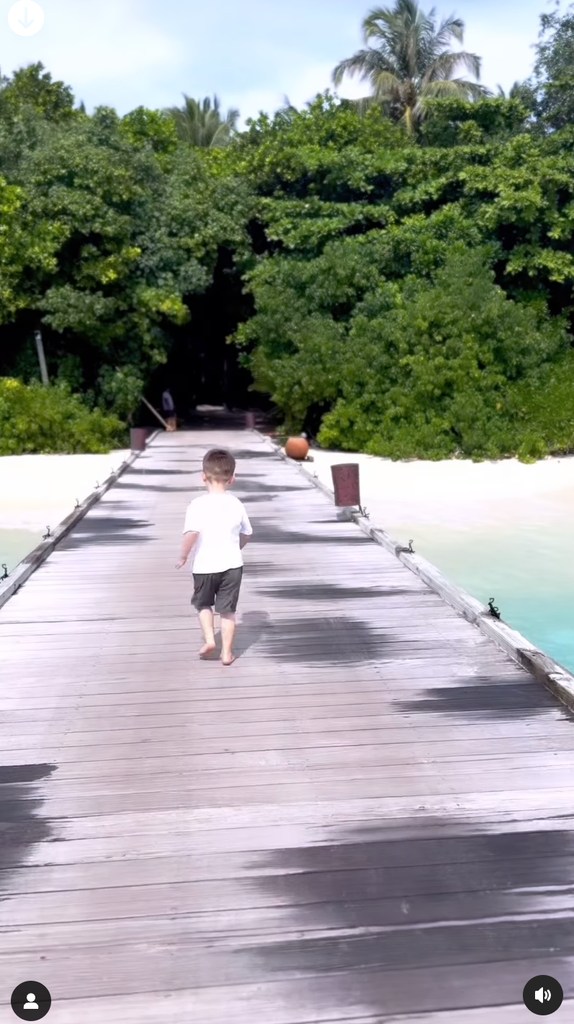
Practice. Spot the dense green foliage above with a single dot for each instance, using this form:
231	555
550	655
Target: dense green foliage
408	293
34	418
413	286
554	71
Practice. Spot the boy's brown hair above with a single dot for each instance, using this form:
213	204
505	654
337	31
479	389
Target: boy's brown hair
219	465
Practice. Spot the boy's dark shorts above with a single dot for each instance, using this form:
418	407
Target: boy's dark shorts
217	588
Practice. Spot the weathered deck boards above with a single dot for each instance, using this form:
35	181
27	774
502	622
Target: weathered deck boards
369	817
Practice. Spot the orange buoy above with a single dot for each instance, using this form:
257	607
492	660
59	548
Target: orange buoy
297	448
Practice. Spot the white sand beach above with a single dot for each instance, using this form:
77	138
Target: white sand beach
41	490
457	494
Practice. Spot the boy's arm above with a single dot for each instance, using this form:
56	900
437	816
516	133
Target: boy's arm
188	542
246	529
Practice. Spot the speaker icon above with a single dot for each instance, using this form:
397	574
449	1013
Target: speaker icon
543	995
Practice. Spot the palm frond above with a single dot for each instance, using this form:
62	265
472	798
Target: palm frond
387	86
363	64
446	65
459	87
201	123
449	29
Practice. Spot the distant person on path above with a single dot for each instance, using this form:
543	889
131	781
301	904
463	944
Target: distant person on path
218	527
168	409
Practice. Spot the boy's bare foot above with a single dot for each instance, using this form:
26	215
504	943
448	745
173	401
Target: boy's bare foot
227	659
207	649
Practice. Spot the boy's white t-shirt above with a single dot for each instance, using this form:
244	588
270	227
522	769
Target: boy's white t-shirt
219	519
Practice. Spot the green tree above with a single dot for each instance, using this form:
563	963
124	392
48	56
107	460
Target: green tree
411	61
100	298
27	247
359	223
554	70
150	129
112	228
201	123
521	91
444	356
32	87
457	122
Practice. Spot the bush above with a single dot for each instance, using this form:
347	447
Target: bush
542	407
38	419
453	367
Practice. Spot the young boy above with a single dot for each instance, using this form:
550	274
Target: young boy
218	524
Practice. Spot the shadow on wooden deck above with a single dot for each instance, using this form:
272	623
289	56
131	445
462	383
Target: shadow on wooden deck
335	640
487	700
107	530
401	909
301	592
21	827
265	533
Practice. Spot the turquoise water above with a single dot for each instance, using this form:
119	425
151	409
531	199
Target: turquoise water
15	545
528	571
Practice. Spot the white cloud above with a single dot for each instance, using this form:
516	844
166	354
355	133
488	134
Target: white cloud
504	36
108	52
300	87
507	53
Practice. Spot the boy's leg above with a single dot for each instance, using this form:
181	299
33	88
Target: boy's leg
203	599
227	636
225	605
206	621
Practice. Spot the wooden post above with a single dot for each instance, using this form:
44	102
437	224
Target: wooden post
41	358
155	412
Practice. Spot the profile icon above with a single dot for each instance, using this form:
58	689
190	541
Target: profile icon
31	1000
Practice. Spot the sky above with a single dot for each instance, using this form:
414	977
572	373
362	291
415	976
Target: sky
251	53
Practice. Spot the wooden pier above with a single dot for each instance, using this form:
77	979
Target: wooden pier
369	817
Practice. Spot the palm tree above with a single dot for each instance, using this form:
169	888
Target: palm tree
287	112
200	122
411	62
519	91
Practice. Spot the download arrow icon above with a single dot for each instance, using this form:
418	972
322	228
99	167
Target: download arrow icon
26	21
26	17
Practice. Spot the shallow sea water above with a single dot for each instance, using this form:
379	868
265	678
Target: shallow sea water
15	545
529	571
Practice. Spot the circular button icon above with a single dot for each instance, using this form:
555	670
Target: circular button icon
543	995
26	17
31	1000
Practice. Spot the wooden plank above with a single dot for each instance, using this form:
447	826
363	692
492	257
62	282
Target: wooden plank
431	783
323	999
516	827
439	862
165	774
255	960
305	756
